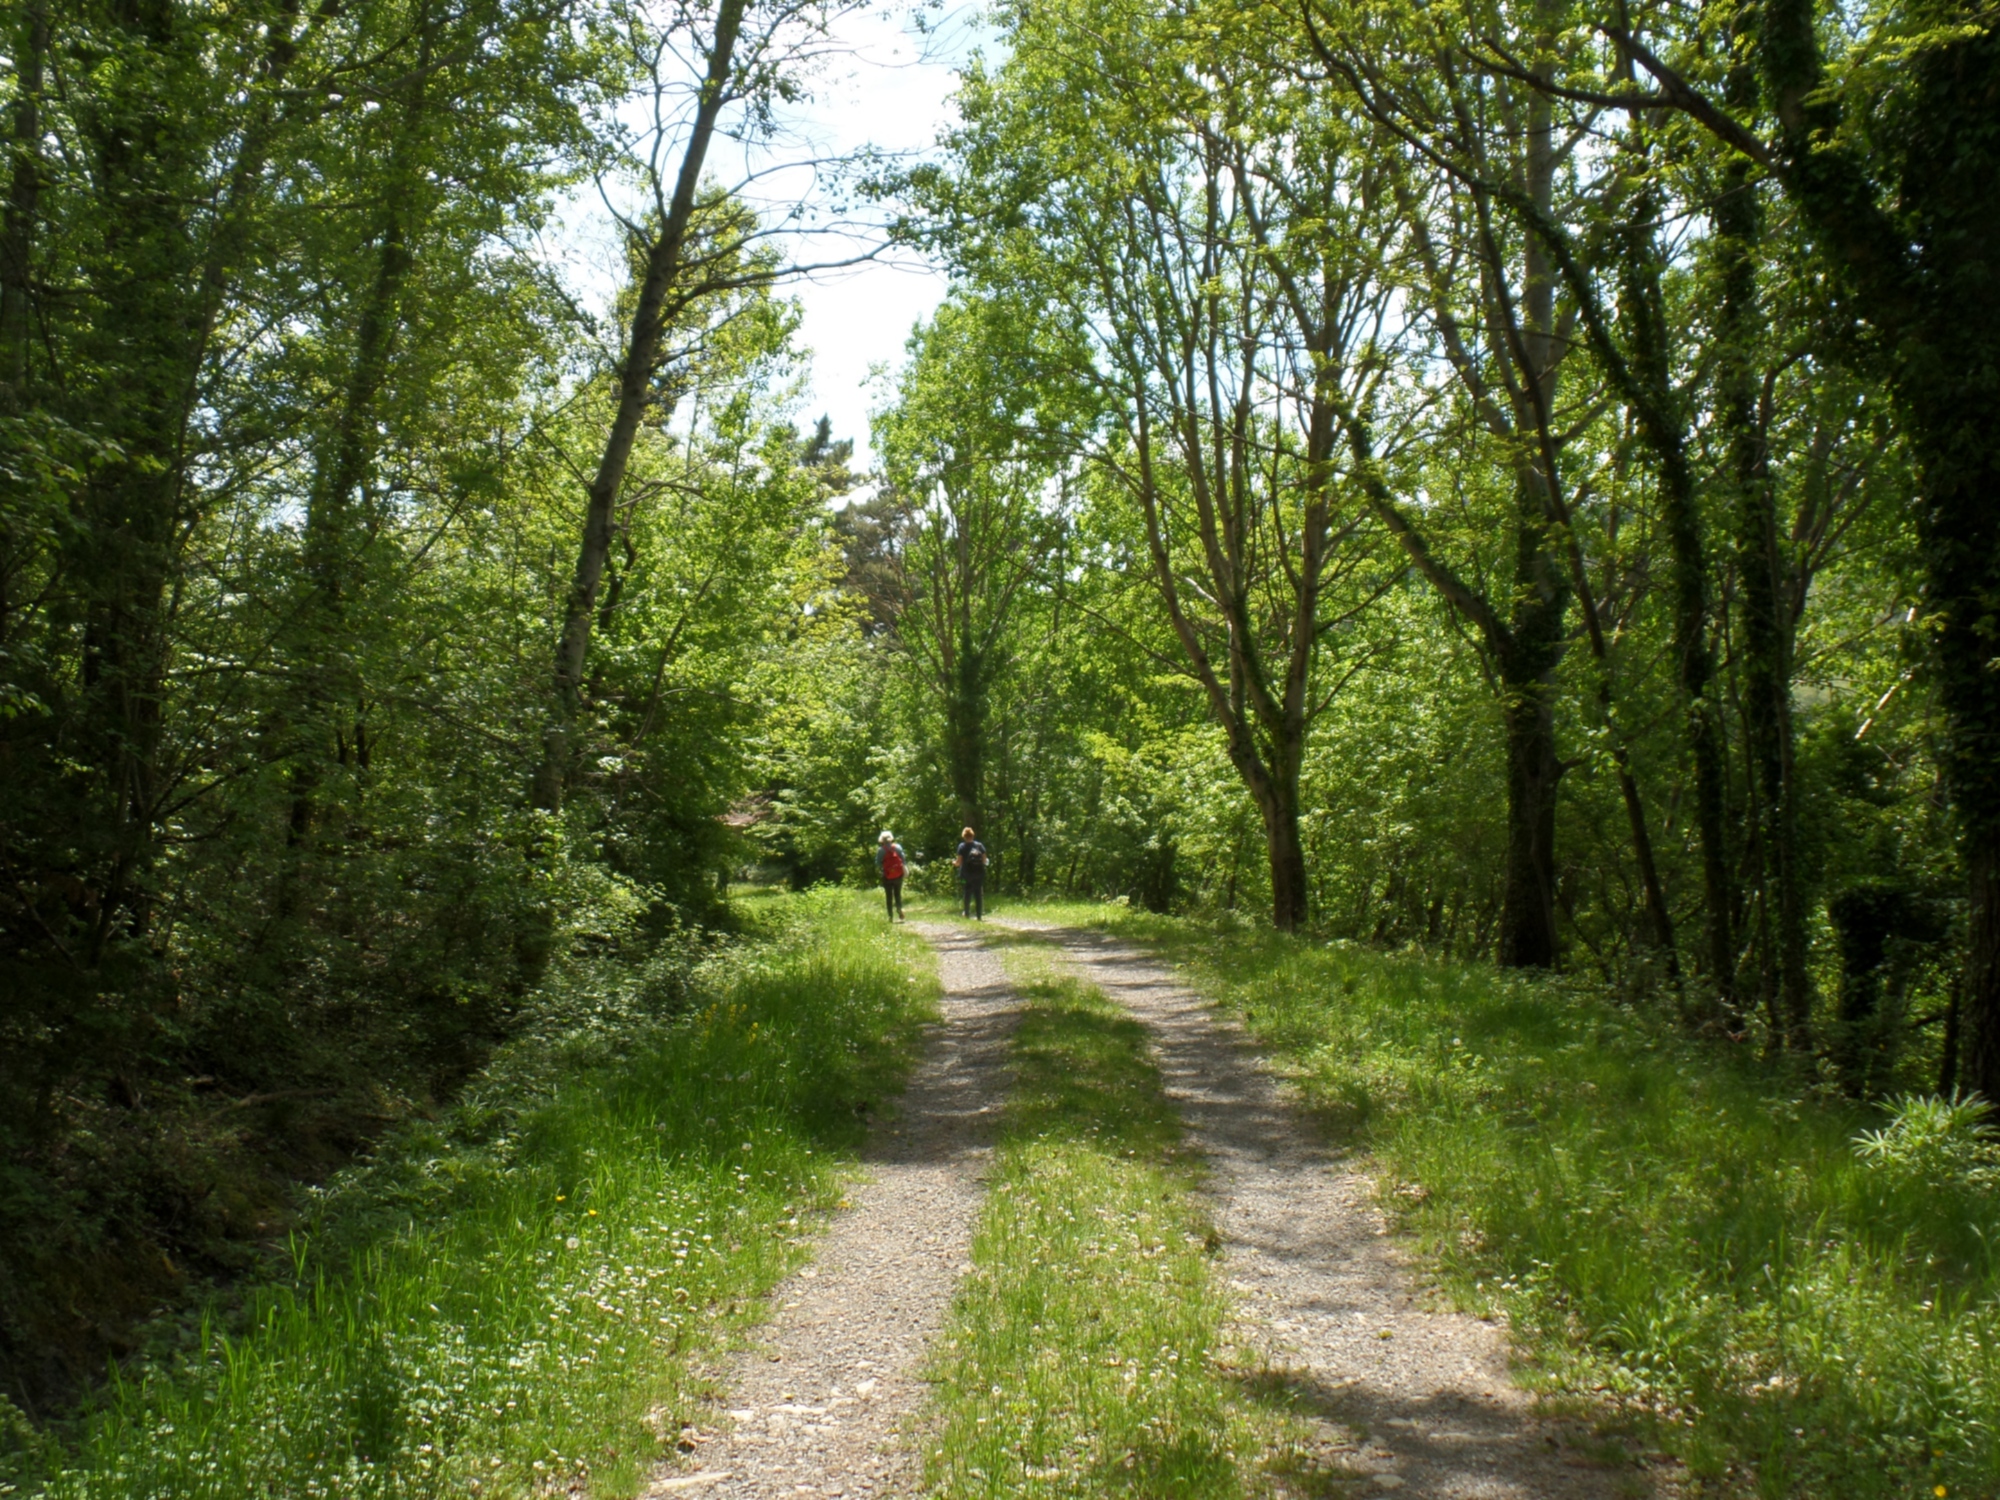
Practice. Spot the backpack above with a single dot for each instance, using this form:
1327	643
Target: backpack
892	863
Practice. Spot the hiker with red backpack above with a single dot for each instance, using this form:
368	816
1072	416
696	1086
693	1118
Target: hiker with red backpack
971	862
890	863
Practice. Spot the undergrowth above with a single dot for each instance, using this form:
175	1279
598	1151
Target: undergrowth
509	1302
1794	1294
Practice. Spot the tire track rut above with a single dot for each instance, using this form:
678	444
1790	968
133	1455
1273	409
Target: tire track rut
1323	1294
821	1402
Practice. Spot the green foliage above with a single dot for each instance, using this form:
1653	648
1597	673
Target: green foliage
286	535
1405	786
1657	685
976	532
1361	469
517	1296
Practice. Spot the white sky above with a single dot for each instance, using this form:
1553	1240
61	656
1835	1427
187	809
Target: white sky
893	93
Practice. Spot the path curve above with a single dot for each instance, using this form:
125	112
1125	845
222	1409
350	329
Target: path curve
1323	1294
818	1404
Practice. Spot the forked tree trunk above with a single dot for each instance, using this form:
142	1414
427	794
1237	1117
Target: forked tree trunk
1526	649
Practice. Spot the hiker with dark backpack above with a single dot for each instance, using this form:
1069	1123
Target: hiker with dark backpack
971	863
890	864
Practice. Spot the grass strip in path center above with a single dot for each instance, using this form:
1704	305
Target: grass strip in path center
1083	1357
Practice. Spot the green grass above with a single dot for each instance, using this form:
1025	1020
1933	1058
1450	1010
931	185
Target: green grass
537	1331
1084	1352
1671	1227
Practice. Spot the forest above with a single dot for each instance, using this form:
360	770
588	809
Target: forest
1512	483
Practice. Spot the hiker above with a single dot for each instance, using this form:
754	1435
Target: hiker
889	862
971	863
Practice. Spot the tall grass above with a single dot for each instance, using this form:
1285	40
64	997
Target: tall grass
535	1333
1792	1293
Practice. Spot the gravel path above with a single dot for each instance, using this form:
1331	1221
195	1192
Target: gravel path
817	1406
1323	1295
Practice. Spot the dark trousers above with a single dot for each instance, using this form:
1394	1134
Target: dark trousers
974	892
892	892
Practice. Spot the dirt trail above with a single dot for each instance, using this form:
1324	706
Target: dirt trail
1323	1294
817	1406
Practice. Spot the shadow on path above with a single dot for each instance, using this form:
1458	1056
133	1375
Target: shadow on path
1323	1295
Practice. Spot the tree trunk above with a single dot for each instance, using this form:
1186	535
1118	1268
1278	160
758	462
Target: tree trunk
161	284
1288	865
24	192
1923	277
1525	650
1533	643
1762	574
1962	544
1656	405
159	289
1528	910
1948	1084
635	388
346	464
1277	797
1527	659
1235	861
965	734
1914	257
1641	370
1947	381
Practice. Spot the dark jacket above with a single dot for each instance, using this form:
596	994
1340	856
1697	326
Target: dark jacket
971	861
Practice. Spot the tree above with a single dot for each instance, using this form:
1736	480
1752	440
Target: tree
978	523
1493	299
1891	167
221	228
658	242
1215	255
